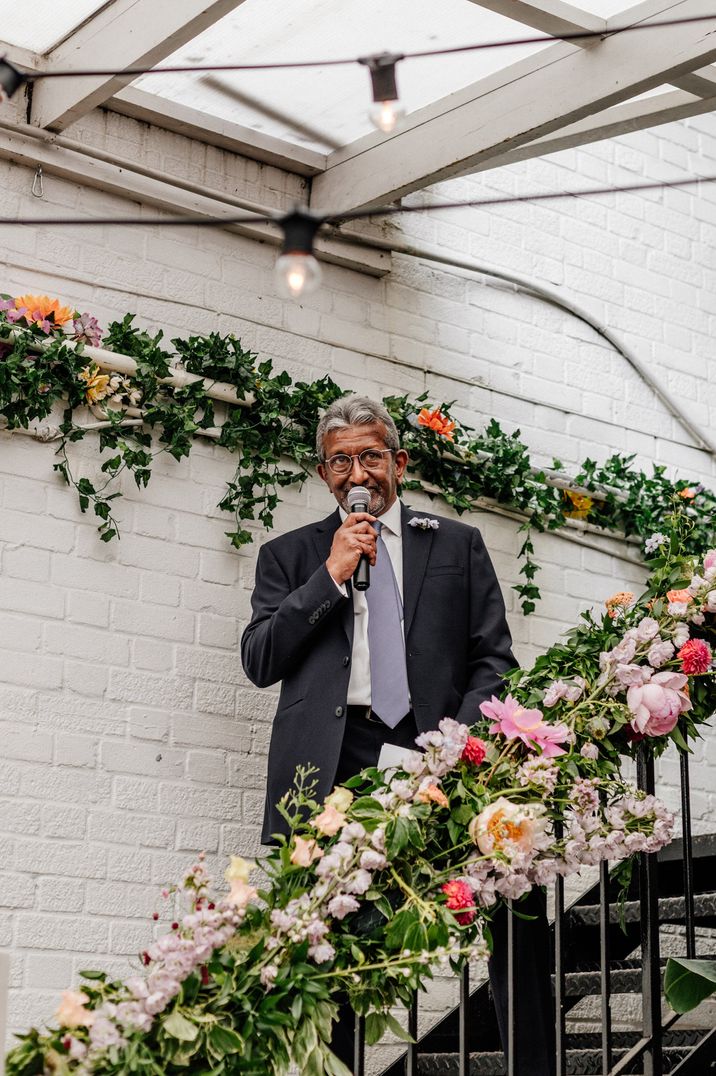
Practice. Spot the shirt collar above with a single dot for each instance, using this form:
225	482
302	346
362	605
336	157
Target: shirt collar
391	519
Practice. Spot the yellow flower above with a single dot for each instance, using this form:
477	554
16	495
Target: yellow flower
41	308
582	505
340	798
71	1011
239	869
97	383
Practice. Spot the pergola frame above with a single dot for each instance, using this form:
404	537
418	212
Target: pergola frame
567	94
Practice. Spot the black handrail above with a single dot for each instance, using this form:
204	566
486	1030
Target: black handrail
649	1047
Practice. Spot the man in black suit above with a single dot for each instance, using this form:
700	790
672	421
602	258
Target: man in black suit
311	629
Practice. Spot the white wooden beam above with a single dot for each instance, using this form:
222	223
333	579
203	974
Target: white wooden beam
702	83
81	167
151	108
558	86
619	120
549	16
125	33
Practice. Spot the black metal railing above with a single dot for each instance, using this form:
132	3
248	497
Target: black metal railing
648	1050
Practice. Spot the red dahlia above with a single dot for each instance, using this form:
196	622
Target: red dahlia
695	657
475	750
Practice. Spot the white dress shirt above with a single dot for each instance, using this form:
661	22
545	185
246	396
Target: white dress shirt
359	683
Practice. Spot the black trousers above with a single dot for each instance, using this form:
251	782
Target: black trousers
534	1011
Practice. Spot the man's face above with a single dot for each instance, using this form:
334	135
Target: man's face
382	481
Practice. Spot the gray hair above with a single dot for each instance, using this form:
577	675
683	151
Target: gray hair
355	411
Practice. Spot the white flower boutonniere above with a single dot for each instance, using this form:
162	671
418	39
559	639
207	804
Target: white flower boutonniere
424	522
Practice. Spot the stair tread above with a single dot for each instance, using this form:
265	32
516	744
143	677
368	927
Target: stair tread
671	907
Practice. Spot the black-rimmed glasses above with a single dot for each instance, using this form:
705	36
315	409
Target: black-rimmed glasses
371	459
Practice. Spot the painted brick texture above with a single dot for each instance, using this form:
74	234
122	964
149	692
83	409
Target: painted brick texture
131	738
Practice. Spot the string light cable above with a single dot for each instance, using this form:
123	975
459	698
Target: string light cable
297	268
287	65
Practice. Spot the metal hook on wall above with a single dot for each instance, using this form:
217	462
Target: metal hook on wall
37	189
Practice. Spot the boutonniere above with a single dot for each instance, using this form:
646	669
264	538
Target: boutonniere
424	522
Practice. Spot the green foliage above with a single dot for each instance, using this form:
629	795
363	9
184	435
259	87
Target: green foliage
688	982
273	440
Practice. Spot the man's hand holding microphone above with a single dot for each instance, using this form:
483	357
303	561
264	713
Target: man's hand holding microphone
353	549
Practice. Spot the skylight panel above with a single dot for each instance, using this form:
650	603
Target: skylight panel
40	25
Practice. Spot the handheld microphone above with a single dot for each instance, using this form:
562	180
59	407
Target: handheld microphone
359	501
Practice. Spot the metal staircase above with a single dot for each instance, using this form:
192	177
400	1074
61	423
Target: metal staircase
605	1027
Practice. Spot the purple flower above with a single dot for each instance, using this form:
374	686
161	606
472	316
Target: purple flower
87	330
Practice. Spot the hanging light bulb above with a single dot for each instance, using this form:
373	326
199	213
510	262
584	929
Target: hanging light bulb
386	110
297	270
10	78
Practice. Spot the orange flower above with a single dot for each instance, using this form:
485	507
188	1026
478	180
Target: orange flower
582	505
687	494
679	596
620	600
436	421
40	308
433	794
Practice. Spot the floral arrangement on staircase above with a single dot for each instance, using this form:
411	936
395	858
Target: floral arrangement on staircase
401	870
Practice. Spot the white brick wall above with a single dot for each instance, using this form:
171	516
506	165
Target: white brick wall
130	736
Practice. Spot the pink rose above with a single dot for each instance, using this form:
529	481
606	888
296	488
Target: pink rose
657	705
710	560
329	821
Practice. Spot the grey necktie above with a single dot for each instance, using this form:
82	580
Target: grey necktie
390	698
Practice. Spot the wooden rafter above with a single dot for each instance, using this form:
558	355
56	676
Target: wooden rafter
125	33
549	16
552	89
619	120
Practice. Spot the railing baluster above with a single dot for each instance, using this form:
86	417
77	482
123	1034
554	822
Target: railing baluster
604	970
559	974
359	1047
511	994
463	1040
649	901
411	1066
688	854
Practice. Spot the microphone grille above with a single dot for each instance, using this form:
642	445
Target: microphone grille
359	495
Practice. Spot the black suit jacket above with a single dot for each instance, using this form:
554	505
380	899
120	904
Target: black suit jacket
301	633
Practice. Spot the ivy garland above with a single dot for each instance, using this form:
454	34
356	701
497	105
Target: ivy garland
43	364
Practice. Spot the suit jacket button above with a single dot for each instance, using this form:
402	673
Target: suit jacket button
346	662
339	711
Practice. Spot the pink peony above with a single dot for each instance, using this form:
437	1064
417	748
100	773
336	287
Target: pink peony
509	828
656	706
695	657
516	723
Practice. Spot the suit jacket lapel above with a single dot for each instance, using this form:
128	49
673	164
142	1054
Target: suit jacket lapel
322	539
416	551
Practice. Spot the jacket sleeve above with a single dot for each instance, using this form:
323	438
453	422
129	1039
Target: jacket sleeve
284	619
490	643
